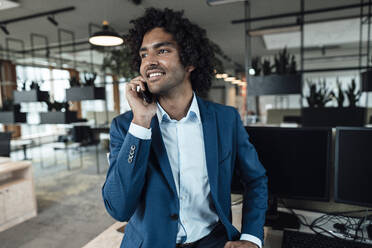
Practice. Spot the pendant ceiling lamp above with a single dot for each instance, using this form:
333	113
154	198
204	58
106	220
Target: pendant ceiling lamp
106	37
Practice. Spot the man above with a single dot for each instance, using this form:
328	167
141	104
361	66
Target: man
172	160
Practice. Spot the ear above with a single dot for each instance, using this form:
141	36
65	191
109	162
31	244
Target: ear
190	68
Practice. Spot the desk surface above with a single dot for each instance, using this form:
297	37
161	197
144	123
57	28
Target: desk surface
20	142
4	160
273	238
11	166
109	238
112	238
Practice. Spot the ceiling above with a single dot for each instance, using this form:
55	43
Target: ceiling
215	19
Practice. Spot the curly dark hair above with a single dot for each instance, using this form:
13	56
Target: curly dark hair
195	48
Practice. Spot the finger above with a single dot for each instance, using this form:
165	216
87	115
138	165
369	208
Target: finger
138	83
134	86
142	85
139	78
227	245
130	87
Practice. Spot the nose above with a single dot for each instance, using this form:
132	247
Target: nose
150	60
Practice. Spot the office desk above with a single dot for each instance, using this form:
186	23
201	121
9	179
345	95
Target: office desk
111	238
23	143
274	237
17	194
4	160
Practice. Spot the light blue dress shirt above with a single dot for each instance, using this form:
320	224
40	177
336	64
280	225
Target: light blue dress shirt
184	143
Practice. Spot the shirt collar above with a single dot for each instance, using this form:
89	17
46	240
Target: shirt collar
192	114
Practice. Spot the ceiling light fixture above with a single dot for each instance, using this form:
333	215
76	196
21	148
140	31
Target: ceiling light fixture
52	20
251	71
106	37
220	2
222	75
4	29
229	79
7	4
274	30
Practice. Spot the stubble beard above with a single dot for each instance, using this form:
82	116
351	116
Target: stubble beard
167	85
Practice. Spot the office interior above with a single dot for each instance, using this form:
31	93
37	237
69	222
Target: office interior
298	72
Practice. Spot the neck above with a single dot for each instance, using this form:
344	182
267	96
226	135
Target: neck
178	103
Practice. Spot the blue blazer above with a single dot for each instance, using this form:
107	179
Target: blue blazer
140	189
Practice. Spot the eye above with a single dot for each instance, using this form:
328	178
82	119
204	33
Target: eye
143	55
162	51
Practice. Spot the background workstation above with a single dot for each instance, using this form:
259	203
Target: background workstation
297	71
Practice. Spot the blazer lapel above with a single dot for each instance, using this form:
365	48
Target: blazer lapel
161	153
208	118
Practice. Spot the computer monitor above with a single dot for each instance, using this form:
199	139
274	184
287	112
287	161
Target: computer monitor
297	162
353	166
5	144
81	133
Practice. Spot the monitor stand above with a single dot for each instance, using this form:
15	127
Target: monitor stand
279	220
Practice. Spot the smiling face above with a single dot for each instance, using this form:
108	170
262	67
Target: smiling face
160	63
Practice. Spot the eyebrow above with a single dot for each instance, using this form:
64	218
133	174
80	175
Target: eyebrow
157	45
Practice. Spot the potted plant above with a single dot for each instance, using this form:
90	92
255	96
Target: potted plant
34	94
10	113
85	91
340	98
74	82
256	65
119	62
266	68
318	97
284	79
352	94
319	115
58	113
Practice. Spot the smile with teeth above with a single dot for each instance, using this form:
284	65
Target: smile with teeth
155	74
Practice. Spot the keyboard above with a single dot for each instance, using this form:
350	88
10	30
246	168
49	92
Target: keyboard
293	239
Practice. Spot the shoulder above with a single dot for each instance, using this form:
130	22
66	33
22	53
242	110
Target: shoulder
222	110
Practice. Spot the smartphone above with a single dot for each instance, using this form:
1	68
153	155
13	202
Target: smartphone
147	95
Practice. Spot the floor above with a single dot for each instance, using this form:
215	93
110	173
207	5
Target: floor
70	206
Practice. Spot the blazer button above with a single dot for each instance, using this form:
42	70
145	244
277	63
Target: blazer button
174	216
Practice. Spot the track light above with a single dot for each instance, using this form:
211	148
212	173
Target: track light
52	20
220	2
105	37
229	79
5	30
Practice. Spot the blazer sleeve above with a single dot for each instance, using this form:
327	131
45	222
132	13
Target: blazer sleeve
126	175
253	177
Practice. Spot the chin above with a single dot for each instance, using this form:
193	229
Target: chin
155	87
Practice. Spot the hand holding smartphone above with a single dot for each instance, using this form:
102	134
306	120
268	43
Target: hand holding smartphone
141	101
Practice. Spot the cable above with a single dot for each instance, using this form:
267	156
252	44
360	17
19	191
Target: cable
351	223
295	214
